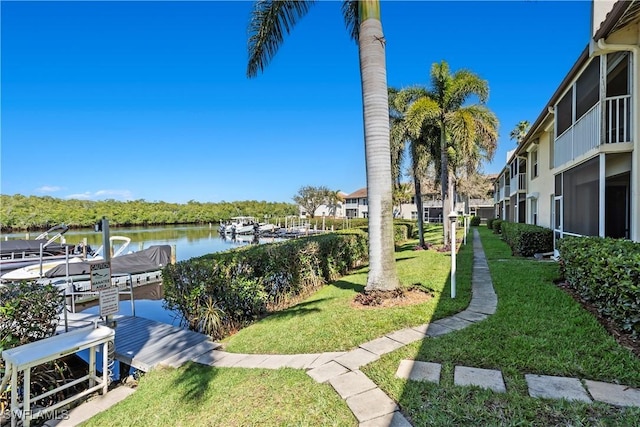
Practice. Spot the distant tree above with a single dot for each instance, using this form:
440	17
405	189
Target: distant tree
333	201
401	195
310	198
520	131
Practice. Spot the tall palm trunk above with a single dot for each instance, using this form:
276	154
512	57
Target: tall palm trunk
371	43
419	206
444	184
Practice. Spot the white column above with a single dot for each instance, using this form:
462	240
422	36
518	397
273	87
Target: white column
601	194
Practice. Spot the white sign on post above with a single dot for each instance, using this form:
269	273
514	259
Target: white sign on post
100	276
109	301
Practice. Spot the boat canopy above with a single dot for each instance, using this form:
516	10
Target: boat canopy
144	261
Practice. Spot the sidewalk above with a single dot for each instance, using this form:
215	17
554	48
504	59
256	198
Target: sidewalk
369	404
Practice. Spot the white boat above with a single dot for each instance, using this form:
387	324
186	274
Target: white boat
245	225
238	225
48	246
139	266
39	269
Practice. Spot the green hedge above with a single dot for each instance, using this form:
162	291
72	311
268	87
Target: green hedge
526	239
490	223
496	226
605	272
231	289
475	221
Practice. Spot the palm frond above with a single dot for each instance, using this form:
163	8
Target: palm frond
423	110
270	21
464	84
350	12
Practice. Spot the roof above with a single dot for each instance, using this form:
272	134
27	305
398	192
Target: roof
357	194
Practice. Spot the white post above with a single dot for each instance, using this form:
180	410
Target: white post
466	230
452	217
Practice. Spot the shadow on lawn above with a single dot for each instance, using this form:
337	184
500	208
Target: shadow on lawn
194	380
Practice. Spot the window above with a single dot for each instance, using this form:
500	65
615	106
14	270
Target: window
564	113
534	164
534	211
414	215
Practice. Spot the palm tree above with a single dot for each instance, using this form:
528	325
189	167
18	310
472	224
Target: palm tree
270	20
421	149
401	195
334	199
520	131
467	132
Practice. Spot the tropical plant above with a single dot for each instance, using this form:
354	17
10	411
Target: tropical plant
520	131
335	198
270	20
401	195
468	132
421	149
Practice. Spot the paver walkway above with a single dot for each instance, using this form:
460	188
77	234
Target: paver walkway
373	408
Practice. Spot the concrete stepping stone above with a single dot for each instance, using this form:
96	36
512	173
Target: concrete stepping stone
490	379
327	371
302	361
324	358
472	316
214	358
354	359
419	371
407	336
454	322
276	361
251	361
352	383
371	404
395	419
613	394
550	387
382	346
436	329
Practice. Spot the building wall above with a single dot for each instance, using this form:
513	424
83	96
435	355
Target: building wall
543	184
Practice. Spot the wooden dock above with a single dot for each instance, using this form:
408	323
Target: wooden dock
145	344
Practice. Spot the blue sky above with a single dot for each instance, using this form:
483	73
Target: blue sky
149	100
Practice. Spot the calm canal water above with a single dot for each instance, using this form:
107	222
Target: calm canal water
190	241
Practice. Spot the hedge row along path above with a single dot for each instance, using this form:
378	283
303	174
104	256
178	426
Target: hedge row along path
369	404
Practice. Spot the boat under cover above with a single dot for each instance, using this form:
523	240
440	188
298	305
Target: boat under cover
150	259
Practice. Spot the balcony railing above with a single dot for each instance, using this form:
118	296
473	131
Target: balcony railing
586	132
617	119
579	138
521	183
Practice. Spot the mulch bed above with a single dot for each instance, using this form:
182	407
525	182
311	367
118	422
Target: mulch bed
396	298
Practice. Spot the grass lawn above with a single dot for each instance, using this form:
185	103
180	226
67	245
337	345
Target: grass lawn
328	322
536	329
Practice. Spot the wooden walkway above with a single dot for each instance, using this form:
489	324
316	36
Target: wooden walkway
145	344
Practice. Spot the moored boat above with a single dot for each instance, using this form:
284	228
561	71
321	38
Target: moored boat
46	247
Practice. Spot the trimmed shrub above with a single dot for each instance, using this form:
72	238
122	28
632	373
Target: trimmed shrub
605	272
241	285
475	221
526	239
28	312
490	223
497	226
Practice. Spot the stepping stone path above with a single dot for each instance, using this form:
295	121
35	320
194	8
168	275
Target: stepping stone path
373	408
